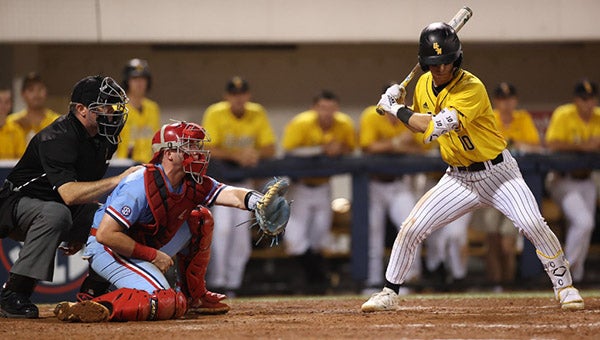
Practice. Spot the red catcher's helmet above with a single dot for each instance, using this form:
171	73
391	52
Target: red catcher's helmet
186	138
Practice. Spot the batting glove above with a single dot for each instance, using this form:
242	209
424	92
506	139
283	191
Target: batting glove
388	104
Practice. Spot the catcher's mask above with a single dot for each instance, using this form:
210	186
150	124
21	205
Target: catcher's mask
104	97
438	45
188	139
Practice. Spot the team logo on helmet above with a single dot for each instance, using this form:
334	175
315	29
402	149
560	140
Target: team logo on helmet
437	48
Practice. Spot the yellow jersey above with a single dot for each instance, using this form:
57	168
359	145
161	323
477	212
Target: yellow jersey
567	126
12	139
521	129
478	138
30	131
304	130
252	130
375	127
136	137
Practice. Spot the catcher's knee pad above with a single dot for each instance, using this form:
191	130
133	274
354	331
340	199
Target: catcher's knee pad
127	304
201	226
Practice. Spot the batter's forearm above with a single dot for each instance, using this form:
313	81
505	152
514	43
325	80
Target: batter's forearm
419	122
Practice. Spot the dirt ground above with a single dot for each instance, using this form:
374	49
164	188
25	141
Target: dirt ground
515	316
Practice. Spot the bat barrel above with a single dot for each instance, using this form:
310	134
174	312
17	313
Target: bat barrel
461	18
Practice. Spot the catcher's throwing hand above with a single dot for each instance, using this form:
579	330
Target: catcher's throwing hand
272	210
162	261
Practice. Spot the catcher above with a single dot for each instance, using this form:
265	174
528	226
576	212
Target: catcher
159	212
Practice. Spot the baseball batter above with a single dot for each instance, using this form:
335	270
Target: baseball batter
575	127
451	105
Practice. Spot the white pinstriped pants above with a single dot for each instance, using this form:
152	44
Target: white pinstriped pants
396	199
458	192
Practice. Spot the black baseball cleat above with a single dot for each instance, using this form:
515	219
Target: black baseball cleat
17	305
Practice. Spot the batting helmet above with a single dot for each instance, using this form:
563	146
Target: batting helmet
136	68
186	138
438	45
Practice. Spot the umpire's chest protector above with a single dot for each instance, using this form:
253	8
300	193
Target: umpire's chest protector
169	209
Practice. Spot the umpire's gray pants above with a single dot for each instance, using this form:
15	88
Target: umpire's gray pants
42	225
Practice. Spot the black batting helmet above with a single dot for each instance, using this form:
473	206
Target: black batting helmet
438	45
136	68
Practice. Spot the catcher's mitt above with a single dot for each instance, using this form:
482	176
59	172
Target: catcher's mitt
272	211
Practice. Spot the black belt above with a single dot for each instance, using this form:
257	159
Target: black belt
480	165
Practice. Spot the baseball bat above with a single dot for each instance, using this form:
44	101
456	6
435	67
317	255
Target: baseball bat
457	22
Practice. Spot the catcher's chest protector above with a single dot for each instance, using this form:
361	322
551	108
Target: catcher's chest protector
169	209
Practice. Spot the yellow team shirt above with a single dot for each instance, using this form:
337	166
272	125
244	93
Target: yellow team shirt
567	126
522	128
252	130
304	130
375	127
12	139
136	137
49	117
478	138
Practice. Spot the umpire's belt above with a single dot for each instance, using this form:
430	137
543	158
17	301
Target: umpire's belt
481	165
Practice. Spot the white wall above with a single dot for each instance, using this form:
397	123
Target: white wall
289	21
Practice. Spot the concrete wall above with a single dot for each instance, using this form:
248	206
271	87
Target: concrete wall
285	21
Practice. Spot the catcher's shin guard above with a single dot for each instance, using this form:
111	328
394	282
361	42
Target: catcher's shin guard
126	304
192	267
557	268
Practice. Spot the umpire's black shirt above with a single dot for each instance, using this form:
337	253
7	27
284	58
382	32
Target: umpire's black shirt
65	152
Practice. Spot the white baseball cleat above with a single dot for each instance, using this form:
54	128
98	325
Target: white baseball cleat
570	299
386	300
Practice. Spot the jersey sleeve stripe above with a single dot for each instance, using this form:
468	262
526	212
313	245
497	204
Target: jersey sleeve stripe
212	195
118	217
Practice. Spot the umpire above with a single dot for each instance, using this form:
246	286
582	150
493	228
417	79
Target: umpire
50	194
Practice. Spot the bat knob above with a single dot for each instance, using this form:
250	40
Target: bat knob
380	110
